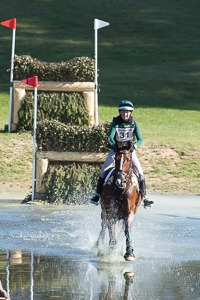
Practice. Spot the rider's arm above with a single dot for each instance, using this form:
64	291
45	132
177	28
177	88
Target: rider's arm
111	135
138	135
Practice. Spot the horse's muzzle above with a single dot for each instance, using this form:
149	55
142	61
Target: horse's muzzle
120	182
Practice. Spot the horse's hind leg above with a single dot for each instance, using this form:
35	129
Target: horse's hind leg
129	248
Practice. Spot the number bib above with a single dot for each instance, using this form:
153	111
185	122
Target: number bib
124	134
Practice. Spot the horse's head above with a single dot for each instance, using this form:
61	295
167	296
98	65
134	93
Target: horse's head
123	163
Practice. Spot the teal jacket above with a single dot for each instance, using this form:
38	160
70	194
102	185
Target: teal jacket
119	122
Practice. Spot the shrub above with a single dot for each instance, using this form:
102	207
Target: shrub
67	182
55	136
70	183
68	108
77	69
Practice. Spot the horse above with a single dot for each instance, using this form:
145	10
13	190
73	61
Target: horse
120	199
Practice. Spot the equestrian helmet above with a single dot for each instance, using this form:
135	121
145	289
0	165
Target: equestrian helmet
126	105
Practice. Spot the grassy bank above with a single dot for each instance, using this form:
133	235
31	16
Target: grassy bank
149	54
169	155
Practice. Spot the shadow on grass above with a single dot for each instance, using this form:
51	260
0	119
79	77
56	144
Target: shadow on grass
149	53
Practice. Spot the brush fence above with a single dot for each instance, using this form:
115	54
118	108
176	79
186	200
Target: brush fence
43	158
87	88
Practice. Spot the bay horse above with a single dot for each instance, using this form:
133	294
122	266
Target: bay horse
120	199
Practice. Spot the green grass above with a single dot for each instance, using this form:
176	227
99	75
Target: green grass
173	127
160	126
149	54
4	109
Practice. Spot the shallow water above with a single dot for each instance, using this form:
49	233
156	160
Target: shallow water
47	252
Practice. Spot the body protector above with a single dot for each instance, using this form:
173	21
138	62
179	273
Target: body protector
123	131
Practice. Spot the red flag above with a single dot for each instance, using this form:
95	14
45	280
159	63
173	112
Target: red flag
10	23
33	81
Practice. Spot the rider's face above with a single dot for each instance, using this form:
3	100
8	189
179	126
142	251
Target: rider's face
125	114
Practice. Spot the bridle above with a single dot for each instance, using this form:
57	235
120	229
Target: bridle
122	176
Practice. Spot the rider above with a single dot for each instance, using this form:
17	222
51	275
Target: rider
123	128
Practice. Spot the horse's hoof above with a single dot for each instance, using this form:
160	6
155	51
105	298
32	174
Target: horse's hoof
129	257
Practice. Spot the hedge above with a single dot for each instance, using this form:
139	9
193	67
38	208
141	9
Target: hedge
68	108
70	183
78	69
55	136
67	182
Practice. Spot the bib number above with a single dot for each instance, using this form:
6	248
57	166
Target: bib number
124	134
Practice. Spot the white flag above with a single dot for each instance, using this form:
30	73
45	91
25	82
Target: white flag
99	24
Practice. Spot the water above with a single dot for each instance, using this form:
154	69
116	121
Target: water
47	252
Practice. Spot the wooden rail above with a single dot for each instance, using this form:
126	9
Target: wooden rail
72	156
58	86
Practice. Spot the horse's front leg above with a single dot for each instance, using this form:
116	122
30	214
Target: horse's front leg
103	229
102	233
111	230
129	255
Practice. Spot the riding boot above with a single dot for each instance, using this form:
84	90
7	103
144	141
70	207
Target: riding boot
142	190
96	196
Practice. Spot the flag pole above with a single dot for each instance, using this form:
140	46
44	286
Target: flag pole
33	81
97	25
96	71
11	78
13	25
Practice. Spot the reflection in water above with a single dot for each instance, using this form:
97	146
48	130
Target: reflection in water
55	277
3	293
128	281
47	253
31	277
